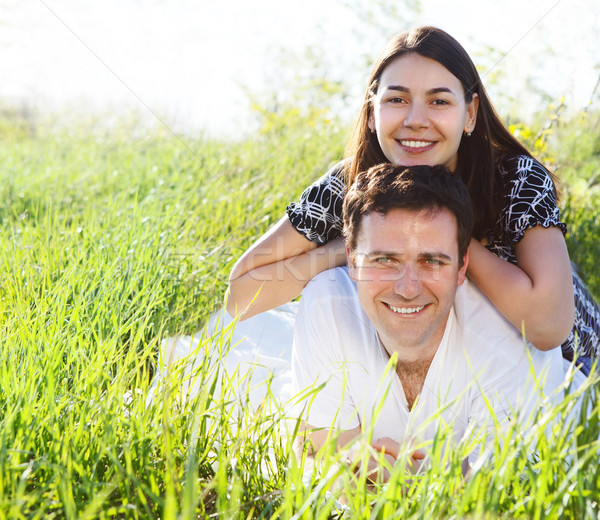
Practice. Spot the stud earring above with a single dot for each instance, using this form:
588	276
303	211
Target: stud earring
468	134
372	130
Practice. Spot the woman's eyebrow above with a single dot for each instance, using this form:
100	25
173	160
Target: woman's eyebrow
436	90
399	88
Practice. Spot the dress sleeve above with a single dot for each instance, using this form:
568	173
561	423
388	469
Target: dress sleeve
318	213
530	198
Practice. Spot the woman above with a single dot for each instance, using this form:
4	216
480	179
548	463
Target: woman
425	104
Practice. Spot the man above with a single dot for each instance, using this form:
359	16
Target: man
402	342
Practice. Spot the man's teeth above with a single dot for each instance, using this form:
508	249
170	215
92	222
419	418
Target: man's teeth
406	310
416	144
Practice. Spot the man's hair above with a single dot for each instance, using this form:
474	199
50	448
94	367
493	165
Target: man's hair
385	187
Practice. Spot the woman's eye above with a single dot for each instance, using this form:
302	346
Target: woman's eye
396	100
440	102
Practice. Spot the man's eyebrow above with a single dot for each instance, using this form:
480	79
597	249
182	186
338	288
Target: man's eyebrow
380	252
436	256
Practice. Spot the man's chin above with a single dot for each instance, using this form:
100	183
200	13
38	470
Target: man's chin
396	339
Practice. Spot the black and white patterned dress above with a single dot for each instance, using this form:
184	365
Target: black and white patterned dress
529	201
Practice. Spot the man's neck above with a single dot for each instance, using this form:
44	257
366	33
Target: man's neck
413	364
412	375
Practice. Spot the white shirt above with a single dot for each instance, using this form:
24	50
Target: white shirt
481	354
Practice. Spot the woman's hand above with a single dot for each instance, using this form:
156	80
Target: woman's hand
537	293
275	269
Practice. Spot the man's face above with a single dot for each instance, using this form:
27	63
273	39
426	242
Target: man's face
407	267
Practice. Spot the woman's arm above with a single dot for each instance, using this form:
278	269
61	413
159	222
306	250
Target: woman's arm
278	265
537	293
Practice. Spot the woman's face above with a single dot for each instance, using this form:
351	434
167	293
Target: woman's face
419	112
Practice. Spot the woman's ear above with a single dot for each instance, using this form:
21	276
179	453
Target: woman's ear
371	123
472	108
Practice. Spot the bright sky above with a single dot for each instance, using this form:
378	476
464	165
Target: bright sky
191	63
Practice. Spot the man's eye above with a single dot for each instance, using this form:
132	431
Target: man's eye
383	260
433	261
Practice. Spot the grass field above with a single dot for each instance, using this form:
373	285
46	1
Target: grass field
111	240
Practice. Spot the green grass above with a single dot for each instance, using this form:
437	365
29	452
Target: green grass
110	241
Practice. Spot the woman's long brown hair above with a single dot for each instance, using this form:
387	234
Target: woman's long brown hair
477	154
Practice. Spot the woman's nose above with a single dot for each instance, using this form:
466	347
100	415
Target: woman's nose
416	116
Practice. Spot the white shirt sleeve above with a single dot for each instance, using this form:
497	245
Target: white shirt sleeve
515	399
318	360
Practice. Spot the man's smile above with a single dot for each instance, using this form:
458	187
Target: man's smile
406	310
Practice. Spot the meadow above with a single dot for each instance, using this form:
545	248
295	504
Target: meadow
112	239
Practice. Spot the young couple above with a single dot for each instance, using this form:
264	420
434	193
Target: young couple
402	298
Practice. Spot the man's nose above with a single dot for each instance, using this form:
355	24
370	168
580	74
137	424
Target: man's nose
408	284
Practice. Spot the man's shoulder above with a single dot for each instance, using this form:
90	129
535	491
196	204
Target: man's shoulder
490	342
330	283
480	322
487	339
331	300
